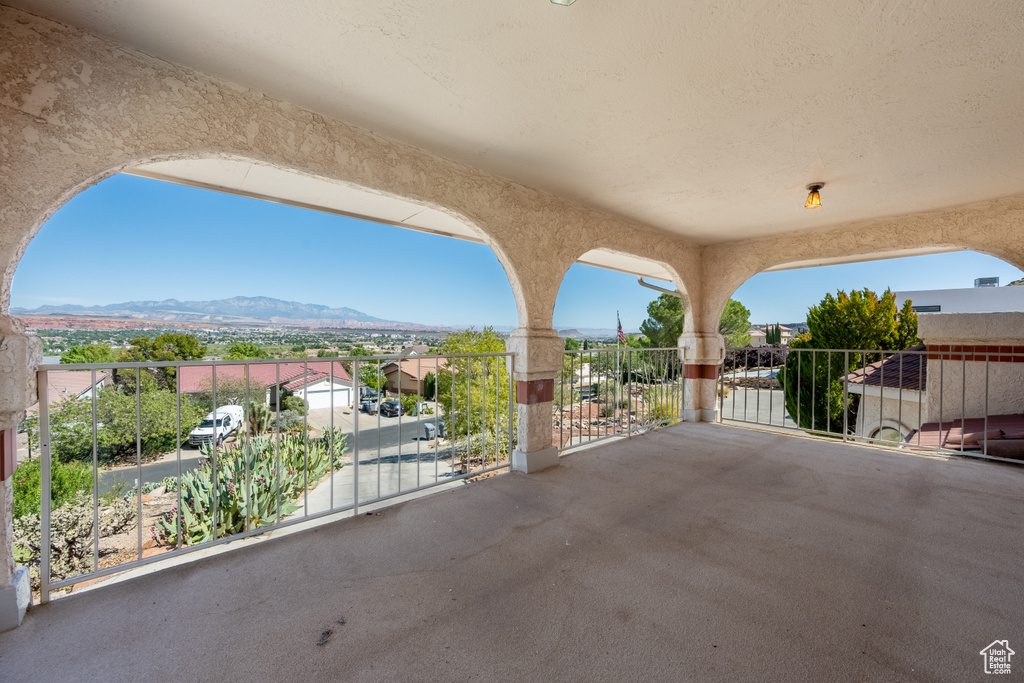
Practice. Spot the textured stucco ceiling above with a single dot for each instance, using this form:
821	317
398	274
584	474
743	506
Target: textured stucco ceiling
703	118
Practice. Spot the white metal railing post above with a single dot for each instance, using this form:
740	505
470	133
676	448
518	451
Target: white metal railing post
44	467
355	436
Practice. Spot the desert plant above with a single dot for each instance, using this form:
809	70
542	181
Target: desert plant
286	421
277	471
260	418
71	536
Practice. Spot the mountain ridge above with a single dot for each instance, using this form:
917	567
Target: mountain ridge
234	309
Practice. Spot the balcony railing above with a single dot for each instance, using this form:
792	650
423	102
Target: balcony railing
964	400
263	463
604	393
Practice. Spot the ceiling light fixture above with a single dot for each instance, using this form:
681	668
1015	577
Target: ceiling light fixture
564	3
814	199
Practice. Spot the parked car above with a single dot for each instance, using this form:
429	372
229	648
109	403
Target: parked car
391	409
228	420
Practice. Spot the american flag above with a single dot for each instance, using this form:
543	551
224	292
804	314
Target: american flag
622	335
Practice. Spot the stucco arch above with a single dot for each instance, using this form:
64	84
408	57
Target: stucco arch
993	227
673	274
97	109
62	197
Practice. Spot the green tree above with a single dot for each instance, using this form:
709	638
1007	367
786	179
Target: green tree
165	347
93	353
475	395
244	350
327	353
860	321
664	324
571	344
117	412
429	386
734	324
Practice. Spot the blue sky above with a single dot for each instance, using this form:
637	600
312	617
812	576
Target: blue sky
130	238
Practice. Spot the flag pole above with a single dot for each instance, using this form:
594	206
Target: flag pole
618	368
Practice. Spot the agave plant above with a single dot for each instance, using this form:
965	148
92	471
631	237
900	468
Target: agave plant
256	483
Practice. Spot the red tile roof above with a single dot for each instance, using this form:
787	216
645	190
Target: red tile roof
199	377
64	384
417	367
898	371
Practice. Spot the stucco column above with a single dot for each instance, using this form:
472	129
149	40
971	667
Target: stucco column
19	357
538	359
701	354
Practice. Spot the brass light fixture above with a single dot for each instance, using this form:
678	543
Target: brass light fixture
814	199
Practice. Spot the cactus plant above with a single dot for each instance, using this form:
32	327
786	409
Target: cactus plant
255	484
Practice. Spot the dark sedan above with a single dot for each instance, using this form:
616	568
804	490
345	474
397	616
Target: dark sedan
391	409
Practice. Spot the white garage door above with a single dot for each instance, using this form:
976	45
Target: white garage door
322	398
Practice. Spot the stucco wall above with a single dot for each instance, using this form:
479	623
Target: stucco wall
960	398
959	386
896	413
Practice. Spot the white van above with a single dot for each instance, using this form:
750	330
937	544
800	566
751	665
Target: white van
228	420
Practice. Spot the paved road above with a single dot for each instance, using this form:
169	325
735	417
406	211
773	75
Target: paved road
390	435
765	407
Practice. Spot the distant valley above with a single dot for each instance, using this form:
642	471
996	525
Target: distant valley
239	310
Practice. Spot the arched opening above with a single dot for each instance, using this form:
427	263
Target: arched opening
261	307
922	364
615	379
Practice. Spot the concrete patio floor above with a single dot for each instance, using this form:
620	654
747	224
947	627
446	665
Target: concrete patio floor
694	552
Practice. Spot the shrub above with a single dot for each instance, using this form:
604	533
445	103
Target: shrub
66	481
565	394
286	421
607	410
71	536
661	404
295	404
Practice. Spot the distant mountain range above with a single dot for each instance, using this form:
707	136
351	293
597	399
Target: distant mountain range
239	310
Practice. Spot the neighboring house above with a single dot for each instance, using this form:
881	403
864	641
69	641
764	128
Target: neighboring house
415	349
757	335
408	373
317	382
893	393
971	300
64	384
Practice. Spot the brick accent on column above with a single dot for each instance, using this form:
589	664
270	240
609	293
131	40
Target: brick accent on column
976	352
694	371
8	453
535	391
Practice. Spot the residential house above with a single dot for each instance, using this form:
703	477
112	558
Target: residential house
319	382
64	384
406	375
758	335
893	401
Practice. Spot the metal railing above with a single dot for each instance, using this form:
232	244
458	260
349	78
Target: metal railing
964	400
603	393
130	428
